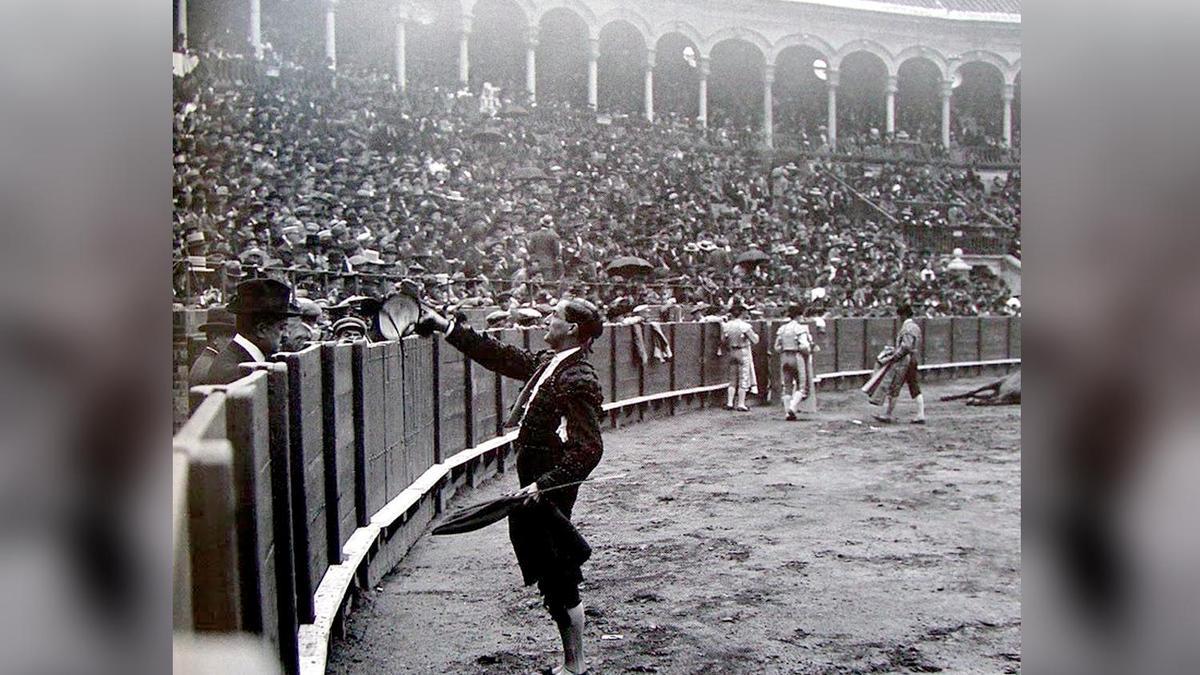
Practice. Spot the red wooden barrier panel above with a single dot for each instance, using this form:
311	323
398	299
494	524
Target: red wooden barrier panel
398	474
419	393
452	411
1014	338
483	404
850	335
510	388
307	439
994	333
248	431
966	339
688	356
825	359
601	359
338	408
371	412
937	336
628	380
657	373
880	333
715	371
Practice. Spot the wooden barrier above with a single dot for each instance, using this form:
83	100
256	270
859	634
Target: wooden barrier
311	475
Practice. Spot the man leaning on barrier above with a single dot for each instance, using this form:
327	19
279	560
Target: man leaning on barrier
557	416
261	309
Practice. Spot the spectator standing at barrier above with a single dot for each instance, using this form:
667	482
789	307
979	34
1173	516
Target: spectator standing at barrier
737	339
904	371
557	417
219	330
261	308
794	344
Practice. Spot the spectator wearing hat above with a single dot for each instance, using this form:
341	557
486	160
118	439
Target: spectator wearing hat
261	308
349	329
218	330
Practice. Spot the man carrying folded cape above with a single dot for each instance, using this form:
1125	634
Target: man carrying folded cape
557	416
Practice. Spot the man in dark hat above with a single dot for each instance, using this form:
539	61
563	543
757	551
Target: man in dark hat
557	417
261	308
219	330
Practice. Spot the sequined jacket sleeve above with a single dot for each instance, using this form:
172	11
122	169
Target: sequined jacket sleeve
493	354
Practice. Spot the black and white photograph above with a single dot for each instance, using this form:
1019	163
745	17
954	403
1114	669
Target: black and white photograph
597	336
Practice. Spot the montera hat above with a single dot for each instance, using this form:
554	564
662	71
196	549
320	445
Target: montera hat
263	296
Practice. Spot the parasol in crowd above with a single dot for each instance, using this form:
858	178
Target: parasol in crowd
513	111
529	173
752	257
481	515
628	265
488	135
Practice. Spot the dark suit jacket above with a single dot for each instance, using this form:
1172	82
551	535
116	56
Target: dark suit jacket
225	367
572	394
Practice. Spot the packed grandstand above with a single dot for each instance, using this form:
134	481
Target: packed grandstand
343	146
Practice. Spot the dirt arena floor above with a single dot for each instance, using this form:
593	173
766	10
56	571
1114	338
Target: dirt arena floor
741	543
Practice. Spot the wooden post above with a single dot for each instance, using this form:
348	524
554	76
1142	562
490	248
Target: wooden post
281	512
437	402
333	540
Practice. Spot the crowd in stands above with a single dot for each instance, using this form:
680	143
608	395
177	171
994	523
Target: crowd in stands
341	185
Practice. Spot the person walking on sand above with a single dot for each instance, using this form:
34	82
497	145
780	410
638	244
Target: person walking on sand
557	416
794	344
737	339
904	369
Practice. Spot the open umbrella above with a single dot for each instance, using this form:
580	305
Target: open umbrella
481	515
628	265
528	173
513	111
488	136
751	257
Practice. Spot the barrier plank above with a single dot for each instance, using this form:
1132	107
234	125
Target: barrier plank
762	367
281	523
688	356
483	404
307	439
419	393
248	428
1014	338
881	332
657	373
966	339
212	529
338	405
509	388
370	432
994	337
397	476
851	336
937	336
602	360
629	365
452	426
181	554
715	371
825	358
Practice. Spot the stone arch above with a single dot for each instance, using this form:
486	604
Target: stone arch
922	52
803	40
631	17
468	10
574	6
1013	73
982	56
747	35
676	78
685	29
620	68
865	45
